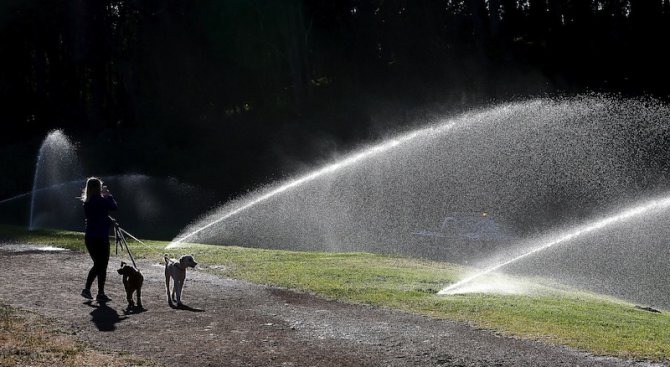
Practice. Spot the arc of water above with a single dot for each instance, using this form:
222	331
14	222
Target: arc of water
61	184
34	191
346	162
15	197
51	187
657	204
312	176
55	145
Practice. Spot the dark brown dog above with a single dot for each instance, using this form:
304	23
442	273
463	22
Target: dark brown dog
132	281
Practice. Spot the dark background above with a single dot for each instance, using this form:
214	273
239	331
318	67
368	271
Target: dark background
229	95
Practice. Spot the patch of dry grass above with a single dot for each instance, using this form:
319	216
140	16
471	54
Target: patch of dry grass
27	339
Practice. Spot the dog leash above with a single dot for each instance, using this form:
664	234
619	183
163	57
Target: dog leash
120	240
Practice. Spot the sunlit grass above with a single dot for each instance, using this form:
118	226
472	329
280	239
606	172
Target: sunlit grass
587	321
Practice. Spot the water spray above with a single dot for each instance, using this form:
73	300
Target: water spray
657	204
55	160
51	187
348	161
314	175
35	176
61	184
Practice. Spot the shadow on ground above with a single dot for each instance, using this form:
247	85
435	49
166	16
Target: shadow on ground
185	308
104	317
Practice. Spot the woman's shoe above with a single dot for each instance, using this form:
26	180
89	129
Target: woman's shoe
102	298
86	293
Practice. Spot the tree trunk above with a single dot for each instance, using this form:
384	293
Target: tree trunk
538	18
295	39
480	29
495	17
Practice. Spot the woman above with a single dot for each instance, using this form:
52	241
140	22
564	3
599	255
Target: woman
98	201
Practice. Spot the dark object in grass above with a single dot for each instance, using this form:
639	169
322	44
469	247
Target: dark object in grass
647	309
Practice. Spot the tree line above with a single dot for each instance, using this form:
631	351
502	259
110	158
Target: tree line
166	85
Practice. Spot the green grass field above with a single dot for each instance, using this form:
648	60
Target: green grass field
587	321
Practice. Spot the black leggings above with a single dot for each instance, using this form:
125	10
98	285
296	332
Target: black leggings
98	248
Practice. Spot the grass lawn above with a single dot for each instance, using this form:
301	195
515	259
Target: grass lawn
587	321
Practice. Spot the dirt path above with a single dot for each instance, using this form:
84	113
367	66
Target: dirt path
235	323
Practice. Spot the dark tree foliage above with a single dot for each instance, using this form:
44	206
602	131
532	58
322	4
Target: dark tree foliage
229	93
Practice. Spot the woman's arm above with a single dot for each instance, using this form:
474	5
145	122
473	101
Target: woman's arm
111	203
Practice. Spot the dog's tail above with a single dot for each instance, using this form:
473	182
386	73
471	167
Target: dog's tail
167	259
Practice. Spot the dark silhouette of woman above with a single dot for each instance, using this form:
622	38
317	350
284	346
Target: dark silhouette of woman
98	201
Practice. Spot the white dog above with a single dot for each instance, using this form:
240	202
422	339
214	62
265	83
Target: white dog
177	271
